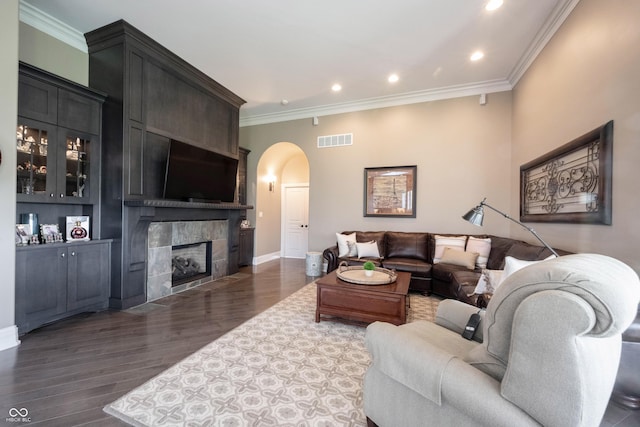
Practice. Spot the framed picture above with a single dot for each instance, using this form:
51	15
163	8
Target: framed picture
23	234
571	183
49	233
390	191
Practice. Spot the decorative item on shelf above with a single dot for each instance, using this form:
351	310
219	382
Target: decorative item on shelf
476	215
31	219
49	233
22	234
369	267
245	223
77	228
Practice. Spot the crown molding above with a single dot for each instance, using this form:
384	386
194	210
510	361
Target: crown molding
449	92
54	27
551	25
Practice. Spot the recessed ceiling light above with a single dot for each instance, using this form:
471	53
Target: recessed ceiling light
336	87
393	78
477	55
493	4
284	102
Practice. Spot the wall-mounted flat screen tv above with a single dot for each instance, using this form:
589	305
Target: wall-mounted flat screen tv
196	174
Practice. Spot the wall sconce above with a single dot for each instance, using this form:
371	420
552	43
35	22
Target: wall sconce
271	181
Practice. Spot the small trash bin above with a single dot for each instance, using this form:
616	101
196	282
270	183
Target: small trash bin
314	264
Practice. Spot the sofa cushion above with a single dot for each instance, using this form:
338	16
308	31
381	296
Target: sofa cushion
499	247
360	261
524	251
458	257
466	280
443	272
407	245
414	266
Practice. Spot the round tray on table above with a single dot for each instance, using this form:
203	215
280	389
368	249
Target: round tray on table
357	275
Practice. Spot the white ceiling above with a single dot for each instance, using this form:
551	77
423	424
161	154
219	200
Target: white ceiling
269	51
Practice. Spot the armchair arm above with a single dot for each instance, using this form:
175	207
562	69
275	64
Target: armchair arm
400	355
454	315
435	375
552	355
331	255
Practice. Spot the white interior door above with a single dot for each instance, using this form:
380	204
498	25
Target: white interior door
296	222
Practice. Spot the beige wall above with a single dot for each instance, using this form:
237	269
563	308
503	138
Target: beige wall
46	52
462	151
586	76
8	114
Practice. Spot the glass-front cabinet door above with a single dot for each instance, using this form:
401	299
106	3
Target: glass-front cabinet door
35	160
75	182
53	164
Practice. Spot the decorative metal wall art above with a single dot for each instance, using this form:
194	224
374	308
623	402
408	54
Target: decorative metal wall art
390	191
571	183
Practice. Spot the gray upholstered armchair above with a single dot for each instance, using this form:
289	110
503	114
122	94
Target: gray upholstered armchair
549	353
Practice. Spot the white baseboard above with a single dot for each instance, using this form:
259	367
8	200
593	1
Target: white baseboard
9	337
266	258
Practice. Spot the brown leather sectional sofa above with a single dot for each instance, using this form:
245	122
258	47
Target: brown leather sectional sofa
414	251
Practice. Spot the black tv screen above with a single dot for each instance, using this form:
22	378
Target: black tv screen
196	174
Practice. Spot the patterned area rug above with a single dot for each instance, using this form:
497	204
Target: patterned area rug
279	368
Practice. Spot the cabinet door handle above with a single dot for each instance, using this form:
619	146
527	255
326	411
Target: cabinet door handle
63	255
73	254
61	195
51	195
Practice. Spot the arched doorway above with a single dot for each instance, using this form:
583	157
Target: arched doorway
281	206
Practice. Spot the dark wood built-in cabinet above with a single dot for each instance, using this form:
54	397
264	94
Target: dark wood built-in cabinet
245	246
58	143
154	97
58	280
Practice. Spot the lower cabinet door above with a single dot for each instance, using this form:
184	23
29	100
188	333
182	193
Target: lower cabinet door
61	280
88	275
41	286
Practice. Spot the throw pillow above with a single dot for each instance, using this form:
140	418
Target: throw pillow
454	242
511	265
482	247
458	257
343	247
489	281
353	249
368	250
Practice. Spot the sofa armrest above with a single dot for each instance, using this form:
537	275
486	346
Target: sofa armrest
331	255
454	315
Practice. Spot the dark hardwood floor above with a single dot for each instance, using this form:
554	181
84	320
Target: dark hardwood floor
66	372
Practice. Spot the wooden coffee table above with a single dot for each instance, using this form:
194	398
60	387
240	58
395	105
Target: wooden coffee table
364	303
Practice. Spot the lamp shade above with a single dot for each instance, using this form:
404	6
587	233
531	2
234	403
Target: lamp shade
475	215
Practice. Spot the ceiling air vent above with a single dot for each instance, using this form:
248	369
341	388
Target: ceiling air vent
335	140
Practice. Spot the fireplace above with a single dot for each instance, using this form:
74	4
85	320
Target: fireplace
184	254
190	262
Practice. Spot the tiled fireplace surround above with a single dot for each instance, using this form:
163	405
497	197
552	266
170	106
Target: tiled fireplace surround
162	236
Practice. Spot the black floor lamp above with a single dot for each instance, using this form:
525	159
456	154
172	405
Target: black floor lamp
476	215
